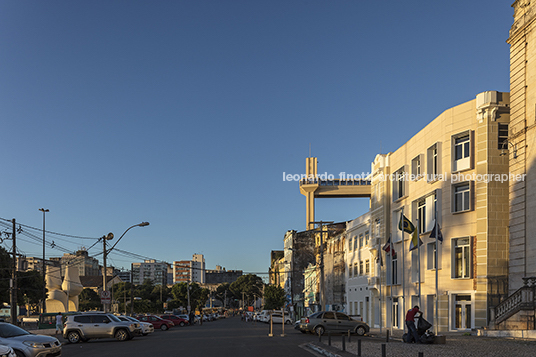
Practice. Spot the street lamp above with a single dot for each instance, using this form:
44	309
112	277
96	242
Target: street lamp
44	307
107	251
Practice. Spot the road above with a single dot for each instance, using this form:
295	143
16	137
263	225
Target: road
222	338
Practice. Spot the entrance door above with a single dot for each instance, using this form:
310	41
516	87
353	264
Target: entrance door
462	312
395	313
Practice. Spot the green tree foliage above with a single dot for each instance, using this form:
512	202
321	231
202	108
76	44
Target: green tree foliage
247	287
198	295
224	294
6	267
152	297
89	300
30	287
274	297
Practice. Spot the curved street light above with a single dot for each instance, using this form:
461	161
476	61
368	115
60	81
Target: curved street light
107	251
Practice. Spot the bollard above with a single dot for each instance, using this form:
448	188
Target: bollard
319	337
343	343
358	347
421	354
387	338
329	338
349	335
384	353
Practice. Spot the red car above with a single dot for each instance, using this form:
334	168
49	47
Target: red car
176	320
158	322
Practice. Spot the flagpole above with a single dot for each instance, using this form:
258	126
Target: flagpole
391	249
436	320
403	273
419	257
380	279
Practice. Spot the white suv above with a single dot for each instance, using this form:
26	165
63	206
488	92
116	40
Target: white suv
86	326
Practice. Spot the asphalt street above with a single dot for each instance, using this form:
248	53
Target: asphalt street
229	337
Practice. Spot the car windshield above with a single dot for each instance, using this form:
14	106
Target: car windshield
114	318
132	319
7	330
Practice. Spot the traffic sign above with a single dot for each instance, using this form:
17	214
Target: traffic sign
106	297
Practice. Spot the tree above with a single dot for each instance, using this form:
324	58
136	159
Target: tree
247	287
198	296
224	294
89	300
274	297
6	267
30	287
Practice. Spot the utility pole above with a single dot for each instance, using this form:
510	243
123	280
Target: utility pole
14	279
44	307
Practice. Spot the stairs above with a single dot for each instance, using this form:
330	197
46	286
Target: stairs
521	300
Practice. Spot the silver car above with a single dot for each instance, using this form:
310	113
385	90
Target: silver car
332	321
146	327
86	326
27	344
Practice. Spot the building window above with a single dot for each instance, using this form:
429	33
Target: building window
399	184
367	238
350	244
502	137
367	267
425	210
433	162
431	255
361	271
461	151
355	242
355	269
378	227
416	169
461	256
461	197
394	270
361	241
421	215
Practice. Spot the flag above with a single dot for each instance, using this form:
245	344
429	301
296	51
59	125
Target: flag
388	247
439	234
379	257
408	227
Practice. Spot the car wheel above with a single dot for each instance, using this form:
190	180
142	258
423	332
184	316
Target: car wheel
288	322
19	353
360	330
303	331
144	334
319	330
163	327
73	337
121	335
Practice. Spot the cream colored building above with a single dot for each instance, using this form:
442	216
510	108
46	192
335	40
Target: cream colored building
451	170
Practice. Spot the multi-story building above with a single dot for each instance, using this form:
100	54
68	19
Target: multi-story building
87	266
152	270
361	273
190	270
198	268
276	272
221	275
451	172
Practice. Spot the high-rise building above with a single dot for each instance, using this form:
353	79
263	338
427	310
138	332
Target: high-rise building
152	270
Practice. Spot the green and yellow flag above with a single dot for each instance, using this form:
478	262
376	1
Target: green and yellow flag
408	227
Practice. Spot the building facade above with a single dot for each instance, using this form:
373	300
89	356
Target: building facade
152	270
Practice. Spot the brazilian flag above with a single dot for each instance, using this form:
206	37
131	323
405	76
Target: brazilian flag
406	225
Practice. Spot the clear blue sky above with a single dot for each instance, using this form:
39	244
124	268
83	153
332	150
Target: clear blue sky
186	113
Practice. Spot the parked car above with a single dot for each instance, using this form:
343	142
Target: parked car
158	322
177	321
332	321
264	316
146	327
278	319
27	344
7	351
86	326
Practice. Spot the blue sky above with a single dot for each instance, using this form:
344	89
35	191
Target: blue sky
186	113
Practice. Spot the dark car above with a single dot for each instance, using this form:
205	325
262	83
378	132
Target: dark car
158	322
332	321
176	320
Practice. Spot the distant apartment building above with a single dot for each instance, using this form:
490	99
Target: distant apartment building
125	276
221	275
194	270
87	266
33	263
152	270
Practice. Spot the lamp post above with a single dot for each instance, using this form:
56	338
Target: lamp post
44	307
107	251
